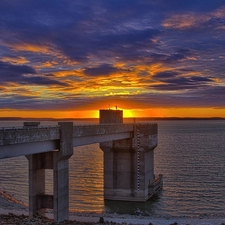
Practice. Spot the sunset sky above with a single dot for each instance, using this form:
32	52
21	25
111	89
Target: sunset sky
69	58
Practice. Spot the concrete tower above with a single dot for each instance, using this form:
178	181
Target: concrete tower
129	163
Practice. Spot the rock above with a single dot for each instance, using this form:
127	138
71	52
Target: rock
101	220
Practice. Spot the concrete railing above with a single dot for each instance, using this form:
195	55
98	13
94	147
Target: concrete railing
19	135
27	128
17	141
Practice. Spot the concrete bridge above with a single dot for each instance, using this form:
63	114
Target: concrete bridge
128	159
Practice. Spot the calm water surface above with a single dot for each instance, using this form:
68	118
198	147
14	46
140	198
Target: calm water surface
190	155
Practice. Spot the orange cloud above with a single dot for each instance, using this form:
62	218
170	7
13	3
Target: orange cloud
58	57
185	21
15	60
32	48
190	20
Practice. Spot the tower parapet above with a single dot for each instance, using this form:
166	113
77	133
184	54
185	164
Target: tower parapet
110	116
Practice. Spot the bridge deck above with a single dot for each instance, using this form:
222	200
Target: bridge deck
17	141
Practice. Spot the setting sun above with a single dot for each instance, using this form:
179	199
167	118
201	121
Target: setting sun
128	113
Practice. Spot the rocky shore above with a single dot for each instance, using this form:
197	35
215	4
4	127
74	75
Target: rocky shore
14	212
39	220
13	219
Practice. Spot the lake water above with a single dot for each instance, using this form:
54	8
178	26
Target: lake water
190	155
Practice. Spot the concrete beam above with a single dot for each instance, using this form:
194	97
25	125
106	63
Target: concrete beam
31	124
101	129
12	150
79	141
25	135
7	151
11	136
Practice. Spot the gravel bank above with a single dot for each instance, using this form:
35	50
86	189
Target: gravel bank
38	220
15	212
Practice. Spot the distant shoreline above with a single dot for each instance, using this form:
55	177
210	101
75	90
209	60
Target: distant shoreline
125	118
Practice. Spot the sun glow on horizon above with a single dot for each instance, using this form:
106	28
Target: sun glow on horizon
127	113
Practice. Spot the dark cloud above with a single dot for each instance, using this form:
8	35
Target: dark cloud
201	79
165	75
102	70
75	29
22	74
121	44
40	80
216	91
14	73
7	69
19	102
191	5
195	98
172	80
130	37
175	77
166	58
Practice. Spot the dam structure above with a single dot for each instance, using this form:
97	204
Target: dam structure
128	159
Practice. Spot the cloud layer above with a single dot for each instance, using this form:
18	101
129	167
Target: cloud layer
68	54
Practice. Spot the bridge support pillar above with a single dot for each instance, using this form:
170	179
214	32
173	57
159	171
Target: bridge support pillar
37	198
61	172
59	162
61	189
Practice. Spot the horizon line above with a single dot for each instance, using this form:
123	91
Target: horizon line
96	118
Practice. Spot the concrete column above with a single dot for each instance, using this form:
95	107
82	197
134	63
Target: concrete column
36	178
61	172
59	162
144	143
119	170
38	200
36	185
61	189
